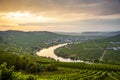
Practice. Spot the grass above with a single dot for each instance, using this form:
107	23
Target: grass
112	56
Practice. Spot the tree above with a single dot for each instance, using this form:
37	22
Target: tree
5	73
31	67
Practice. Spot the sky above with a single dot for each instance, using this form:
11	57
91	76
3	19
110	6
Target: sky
60	15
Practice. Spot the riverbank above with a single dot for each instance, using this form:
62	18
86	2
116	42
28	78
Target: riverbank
49	52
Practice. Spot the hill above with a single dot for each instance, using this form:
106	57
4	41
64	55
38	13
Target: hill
29	42
101	33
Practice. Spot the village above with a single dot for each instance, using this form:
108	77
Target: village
116	48
65	40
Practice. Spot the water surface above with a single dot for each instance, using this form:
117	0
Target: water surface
49	52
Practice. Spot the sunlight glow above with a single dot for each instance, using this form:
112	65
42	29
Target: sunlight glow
17	14
26	17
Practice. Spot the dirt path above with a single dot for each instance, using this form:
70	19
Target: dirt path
101	58
104	51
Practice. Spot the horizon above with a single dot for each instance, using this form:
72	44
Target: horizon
61	32
60	16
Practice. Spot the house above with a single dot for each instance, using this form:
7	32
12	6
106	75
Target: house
115	48
109	48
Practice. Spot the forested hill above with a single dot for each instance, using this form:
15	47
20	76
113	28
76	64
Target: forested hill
13	33
19	42
112	38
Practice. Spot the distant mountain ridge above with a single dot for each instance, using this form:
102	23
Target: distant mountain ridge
91	33
14	31
101	33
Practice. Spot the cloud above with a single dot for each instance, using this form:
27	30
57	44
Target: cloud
79	26
57	7
72	14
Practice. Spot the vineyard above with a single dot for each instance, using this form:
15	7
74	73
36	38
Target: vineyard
83	51
66	71
83	75
92	50
27	67
93	66
82	71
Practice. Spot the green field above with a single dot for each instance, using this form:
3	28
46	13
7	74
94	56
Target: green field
83	51
92	50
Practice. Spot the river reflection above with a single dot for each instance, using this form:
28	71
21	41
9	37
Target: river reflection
49	52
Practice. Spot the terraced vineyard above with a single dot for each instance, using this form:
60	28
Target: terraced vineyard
82	71
85	75
79	71
27	67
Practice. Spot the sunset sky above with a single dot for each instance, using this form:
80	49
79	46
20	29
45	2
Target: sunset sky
60	15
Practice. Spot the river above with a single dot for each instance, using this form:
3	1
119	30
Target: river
49	52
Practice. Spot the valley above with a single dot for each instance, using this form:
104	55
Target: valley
61	57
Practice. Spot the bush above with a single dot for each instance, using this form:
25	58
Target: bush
52	67
5	73
31	67
31	77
